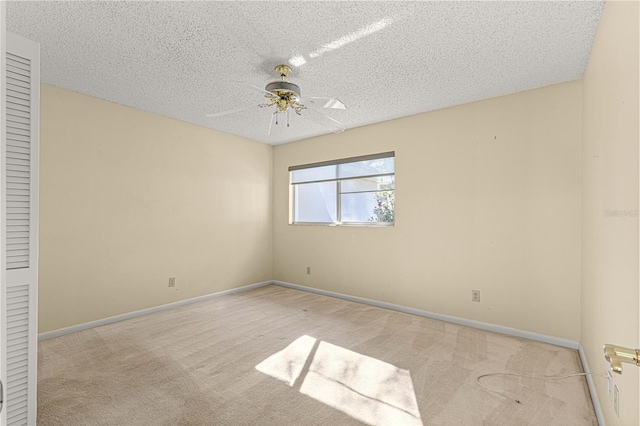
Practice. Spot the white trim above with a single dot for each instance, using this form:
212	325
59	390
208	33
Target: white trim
592	386
3	245
567	343
134	314
558	341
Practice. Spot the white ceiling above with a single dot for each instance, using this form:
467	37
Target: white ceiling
382	59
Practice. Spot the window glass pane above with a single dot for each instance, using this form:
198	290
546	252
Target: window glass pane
314	174
368	184
368	207
315	202
367	190
366	168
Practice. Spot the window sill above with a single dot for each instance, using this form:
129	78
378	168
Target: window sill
350	225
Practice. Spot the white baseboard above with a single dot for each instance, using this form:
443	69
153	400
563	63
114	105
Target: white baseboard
567	343
475	324
592	386
117	318
558	341
448	318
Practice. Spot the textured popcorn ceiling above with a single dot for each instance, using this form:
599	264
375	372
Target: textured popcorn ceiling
382	59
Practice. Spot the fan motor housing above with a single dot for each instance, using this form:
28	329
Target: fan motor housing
283	88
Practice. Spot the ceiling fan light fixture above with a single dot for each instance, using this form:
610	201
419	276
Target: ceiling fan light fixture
283	94
280	88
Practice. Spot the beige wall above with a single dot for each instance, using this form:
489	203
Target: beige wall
129	199
610	312
488	198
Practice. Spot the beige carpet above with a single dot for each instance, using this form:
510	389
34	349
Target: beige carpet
276	356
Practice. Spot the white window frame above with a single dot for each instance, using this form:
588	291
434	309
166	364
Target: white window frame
338	181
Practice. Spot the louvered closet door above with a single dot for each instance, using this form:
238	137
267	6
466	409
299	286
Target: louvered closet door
20	196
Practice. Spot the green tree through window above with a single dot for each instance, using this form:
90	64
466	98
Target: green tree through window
386	204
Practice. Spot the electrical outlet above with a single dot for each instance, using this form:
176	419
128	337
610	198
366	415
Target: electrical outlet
616	400
172	281
475	295
308	270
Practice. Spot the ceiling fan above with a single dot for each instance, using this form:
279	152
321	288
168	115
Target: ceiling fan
283	96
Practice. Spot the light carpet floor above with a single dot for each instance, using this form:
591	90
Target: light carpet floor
277	356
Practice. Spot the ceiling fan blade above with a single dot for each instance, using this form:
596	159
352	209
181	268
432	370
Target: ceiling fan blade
332	103
254	88
232	111
324	120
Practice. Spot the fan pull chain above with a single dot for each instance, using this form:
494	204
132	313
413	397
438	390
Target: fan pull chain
287	118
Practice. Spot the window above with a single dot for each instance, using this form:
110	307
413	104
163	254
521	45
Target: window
350	191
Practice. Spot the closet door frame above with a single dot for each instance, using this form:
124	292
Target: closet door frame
19	165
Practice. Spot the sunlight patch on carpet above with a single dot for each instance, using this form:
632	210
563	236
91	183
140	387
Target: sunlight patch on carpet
367	389
287	364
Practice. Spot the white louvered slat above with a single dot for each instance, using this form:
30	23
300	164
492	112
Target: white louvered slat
17	135
15	172
17	353
17	70
18	62
13	125
17	325
11	80
18	78
18	157
21	105
18	95
19	241
17	59
18	350
17	85
15	114
15	143
18	104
